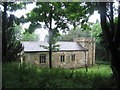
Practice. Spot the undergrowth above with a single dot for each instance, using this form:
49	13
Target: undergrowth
24	76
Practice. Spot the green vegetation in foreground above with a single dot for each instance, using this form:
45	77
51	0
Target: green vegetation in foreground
16	76
103	62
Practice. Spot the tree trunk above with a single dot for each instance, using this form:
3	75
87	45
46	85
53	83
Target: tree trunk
4	42
50	44
115	65
111	37
50	55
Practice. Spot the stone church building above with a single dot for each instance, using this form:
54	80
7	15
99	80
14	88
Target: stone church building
74	54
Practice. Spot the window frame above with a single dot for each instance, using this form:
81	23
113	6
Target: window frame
24	58
42	58
73	57
62	58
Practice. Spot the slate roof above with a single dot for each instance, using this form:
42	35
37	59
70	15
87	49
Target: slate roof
64	46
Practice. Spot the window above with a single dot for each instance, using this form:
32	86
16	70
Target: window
23	58
42	58
62	58
73	57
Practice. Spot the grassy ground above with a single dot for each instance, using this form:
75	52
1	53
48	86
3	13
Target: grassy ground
15	76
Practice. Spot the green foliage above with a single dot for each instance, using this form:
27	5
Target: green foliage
29	37
97	32
101	52
21	34
54	47
43	46
25	76
13	6
42	14
63	13
11	45
14	47
18	31
32	27
74	33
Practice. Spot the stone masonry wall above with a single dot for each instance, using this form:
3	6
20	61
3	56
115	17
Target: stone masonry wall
79	62
33	58
88	43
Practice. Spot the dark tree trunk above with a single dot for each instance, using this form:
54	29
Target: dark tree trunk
50	42
50	56
115	61
4	42
111	36
11	48
115	65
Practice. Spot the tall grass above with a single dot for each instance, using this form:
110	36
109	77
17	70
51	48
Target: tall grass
16	76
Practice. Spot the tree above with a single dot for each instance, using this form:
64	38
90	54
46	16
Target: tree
18	31
73	33
111	35
101	52
110	31
13	47
29	37
4	20
22	34
59	14
10	46
96	32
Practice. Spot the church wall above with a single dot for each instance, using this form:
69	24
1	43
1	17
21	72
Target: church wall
34	58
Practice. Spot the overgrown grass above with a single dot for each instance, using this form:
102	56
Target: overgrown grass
15	76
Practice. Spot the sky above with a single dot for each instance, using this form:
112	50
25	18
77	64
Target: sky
42	32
